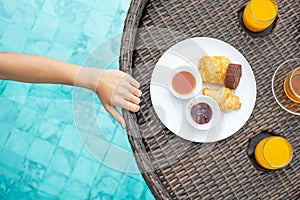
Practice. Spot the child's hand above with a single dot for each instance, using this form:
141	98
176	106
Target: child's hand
113	88
116	88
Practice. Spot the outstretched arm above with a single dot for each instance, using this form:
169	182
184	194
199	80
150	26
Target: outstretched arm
113	87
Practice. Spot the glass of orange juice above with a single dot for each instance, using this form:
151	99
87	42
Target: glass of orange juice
260	14
273	152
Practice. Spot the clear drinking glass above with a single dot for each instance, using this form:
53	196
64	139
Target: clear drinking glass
259	14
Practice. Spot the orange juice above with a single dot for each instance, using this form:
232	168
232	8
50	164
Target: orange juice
259	14
273	152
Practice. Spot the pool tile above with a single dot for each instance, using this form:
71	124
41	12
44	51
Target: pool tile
3	85
36	102
36	4
46	25
24	16
126	191
41	94
82	42
133	169
23	191
44	149
66	90
85	170
27	120
6	48
87	154
104	186
124	6
60	109
59	52
147	195
37	45
96	27
68	34
90	3
50	7
80	52
63	161
107	7
7	8
105	170
32	173
53	183
75	190
9	114
4	135
115	30
61	96
15	36
117	158
18	142
106	183
89	42
3	25
95	148
70	139
106	124
50	130
69	10
121	139
9	172
79	55
6	185
15	89
11	159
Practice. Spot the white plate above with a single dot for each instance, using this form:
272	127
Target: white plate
171	110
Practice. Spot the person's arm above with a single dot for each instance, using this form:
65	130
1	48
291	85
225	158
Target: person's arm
113	87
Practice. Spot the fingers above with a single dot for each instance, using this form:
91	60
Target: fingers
133	82
135	91
134	99
133	95
129	105
115	113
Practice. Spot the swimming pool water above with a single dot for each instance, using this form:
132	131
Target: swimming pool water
41	154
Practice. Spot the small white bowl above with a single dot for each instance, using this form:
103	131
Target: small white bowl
195	72
216	112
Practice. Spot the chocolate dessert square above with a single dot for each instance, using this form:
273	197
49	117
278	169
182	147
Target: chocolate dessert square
233	76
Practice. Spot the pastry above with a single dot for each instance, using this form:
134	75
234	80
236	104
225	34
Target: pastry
218	70
213	69
226	100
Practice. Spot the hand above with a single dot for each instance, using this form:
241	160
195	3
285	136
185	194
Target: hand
116	88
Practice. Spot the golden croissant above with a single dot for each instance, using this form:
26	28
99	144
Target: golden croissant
224	97
213	69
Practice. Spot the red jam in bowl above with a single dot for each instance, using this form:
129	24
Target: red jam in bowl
201	113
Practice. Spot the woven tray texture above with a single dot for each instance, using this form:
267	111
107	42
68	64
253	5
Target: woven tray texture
178	169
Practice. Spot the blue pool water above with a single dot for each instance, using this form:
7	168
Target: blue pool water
42	156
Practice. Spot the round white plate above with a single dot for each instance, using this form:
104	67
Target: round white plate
171	110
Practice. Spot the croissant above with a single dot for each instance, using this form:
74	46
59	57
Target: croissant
224	97
213	69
